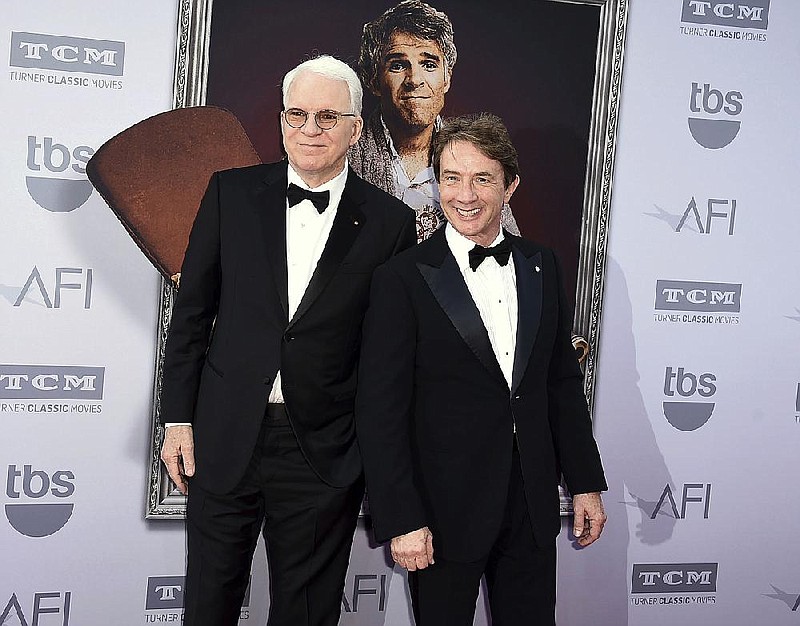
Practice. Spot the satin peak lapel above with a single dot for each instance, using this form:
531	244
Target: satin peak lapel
347	225
529	311
271	201
448	287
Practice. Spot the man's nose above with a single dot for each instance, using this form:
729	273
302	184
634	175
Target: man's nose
415	77
466	191
310	128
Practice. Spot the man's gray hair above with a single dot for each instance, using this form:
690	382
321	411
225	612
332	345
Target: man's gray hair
329	67
412	17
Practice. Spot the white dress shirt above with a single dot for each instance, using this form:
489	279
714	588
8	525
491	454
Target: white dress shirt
493	288
307	232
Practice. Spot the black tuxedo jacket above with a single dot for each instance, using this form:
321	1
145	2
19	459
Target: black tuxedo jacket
230	331
435	416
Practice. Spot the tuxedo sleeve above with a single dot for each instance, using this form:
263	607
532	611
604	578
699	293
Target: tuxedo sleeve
384	407
568	412
193	313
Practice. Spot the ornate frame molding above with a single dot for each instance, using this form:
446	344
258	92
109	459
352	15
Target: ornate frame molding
191	71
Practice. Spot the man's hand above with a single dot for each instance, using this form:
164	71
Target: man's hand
589	517
413	550
178	455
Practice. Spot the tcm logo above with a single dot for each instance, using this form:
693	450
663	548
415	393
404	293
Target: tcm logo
692	493
719	212
26	488
685	295
67	54
49	603
55	192
166	593
674	577
710	120
366	593
688	415
750	14
64	279
51	382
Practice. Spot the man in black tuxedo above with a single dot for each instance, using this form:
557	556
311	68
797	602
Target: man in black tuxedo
470	400
260	365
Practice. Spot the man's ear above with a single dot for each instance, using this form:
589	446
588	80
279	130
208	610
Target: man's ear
448	74
511	189
358	125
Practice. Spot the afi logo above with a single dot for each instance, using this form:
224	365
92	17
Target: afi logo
52	602
57	193
32	518
62	281
67	54
682	414
750	14
689	494
714	129
365	585
723	211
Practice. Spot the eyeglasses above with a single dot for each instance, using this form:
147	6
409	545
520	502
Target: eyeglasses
325	119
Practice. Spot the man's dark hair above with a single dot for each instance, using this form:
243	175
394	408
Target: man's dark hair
409	16
484	131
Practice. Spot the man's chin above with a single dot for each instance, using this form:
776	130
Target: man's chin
417	120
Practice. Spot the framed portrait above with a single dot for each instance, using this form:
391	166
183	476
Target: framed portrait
551	69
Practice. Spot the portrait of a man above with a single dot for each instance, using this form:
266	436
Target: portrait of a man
406	60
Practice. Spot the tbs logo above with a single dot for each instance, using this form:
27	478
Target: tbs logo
40	513
54	192
688	415
711	122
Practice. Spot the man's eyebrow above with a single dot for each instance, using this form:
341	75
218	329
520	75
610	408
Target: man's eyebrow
394	56
431	55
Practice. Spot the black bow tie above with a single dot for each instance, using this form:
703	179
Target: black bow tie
319	199
501	252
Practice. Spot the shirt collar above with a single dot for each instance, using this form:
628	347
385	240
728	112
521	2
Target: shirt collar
425	174
460	245
335	185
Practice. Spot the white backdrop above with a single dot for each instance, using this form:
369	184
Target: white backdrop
698	396
724	527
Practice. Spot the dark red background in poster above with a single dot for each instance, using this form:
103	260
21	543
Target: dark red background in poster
531	62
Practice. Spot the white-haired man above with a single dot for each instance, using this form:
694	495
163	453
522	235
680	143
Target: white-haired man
260	364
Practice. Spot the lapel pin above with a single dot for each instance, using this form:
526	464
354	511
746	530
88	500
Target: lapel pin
536	267
356	222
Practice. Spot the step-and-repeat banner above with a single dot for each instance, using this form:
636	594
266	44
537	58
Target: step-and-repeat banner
78	306
698	396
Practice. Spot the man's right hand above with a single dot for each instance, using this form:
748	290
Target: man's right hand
178	455
413	550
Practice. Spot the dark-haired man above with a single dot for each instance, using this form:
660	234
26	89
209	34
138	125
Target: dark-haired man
406	59
471	402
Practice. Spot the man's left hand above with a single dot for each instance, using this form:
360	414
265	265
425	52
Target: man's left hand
589	517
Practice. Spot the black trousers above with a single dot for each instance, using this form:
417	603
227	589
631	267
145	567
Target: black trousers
308	529
520	575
